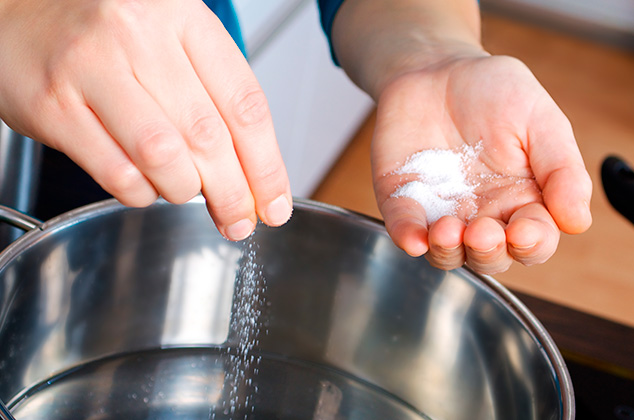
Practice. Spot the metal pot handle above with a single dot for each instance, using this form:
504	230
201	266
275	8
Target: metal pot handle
18	219
24	222
5	414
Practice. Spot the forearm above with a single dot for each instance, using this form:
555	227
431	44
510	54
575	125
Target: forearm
375	41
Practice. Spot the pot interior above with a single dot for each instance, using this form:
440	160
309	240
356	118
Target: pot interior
111	312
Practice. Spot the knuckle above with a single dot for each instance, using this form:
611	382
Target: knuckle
250	106
126	184
499	265
57	92
269	181
156	148
442	263
205	131
123	13
233	203
272	175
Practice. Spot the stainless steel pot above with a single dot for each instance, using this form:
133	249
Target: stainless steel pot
20	159
112	312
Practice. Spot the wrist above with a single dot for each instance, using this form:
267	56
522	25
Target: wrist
377	41
421	59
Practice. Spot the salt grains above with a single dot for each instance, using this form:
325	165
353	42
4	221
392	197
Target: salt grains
247	326
441	185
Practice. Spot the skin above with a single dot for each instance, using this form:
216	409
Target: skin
172	111
152	97
437	88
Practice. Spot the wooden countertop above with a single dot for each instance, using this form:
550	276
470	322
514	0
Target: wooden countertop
594	85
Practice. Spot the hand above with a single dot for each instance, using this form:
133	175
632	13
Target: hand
150	97
531	179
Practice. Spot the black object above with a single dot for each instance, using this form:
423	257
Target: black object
63	186
618	184
601	395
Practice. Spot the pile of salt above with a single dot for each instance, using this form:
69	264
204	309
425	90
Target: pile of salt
441	183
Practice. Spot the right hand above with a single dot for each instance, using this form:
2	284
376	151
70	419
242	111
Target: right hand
150	97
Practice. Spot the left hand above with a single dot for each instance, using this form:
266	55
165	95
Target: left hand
541	186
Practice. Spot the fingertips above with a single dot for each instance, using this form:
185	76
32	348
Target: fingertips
239	230
446	250
567	195
532	235
485	246
232	210
244	108
278	211
405	221
251	127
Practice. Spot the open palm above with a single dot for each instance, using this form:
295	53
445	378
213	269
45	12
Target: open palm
527	176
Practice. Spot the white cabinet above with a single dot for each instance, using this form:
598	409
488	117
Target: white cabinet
260	19
315	108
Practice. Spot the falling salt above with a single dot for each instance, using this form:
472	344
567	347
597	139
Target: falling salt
441	185
246	326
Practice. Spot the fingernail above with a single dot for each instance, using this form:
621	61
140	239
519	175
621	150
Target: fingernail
279	211
240	230
523	247
452	248
484	251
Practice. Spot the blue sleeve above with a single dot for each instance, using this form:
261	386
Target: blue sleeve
227	15
328	10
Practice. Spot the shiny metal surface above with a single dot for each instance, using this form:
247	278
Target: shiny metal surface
110	312
19	170
18	219
5	414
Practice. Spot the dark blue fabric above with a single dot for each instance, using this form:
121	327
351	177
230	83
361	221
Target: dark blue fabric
328	10
227	14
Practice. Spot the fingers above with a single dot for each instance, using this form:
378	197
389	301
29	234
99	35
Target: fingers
446	250
567	194
532	235
195	118
481	245
559	169
243	106
113	170
488	246
207	139
147	135
405	222
485	244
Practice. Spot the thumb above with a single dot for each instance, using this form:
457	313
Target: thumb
559	169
